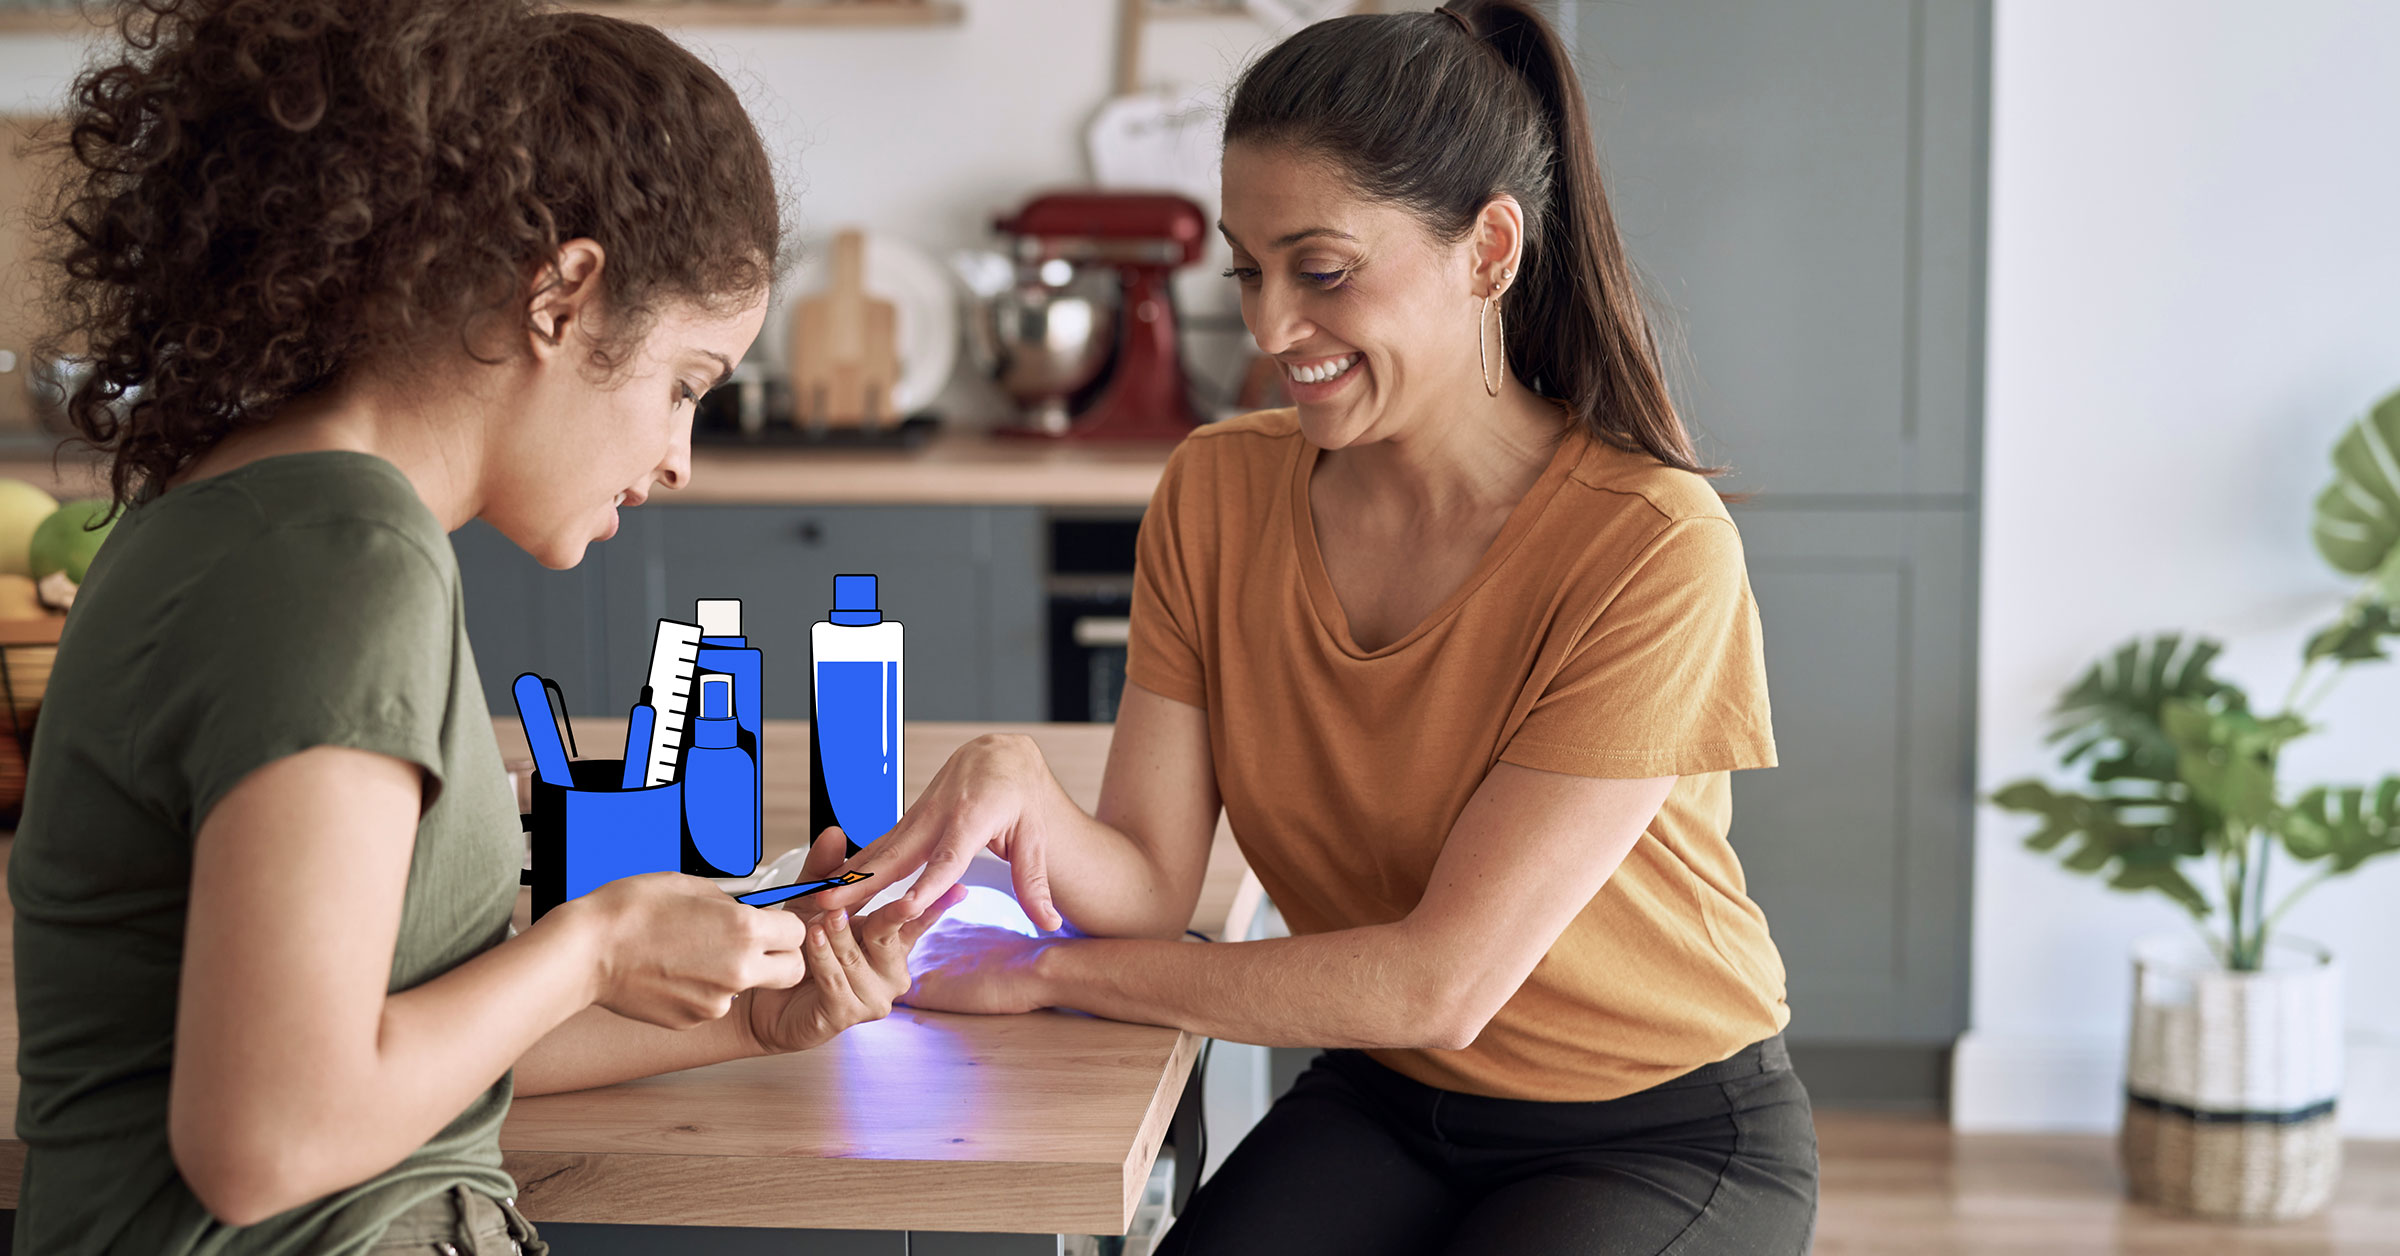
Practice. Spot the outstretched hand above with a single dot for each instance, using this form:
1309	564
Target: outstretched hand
983	969
856	968
994	794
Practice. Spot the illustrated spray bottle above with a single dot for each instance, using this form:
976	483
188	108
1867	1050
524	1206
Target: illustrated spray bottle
720	783
854	742
723	649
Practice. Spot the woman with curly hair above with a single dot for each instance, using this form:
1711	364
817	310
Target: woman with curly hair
350	274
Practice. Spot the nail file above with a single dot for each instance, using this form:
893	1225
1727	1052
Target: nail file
673	662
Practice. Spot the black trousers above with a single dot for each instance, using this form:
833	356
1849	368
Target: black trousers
1359	1159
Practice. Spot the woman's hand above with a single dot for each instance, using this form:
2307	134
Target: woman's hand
996	793
674	950
976	968
856	968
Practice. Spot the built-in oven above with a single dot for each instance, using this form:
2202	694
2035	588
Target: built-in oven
1090	585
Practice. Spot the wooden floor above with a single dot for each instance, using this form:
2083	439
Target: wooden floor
1907	1184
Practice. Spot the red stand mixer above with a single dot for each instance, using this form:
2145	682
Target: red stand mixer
1145	236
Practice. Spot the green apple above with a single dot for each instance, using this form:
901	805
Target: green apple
65	542
22	509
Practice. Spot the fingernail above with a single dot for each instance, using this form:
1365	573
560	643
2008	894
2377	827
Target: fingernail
841	919
816	937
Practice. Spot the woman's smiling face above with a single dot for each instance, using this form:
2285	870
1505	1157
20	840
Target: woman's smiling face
1368	313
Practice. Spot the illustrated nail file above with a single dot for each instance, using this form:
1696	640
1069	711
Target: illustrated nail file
541	731
764	898
638	723
673	657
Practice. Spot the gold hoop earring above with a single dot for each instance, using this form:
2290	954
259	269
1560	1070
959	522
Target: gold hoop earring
1491	386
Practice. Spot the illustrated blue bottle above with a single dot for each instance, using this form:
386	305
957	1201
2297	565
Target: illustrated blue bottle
720	818
854	743
724	649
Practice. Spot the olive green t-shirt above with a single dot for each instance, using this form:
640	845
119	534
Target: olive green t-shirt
299	601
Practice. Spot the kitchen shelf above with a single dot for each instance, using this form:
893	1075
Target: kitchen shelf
770	13
43	21
958	467
1155	11
764	13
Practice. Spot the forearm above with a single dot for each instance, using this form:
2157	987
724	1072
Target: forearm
1105	882
1378	986
597	1047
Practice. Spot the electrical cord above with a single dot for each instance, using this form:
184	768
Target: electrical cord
1200	1086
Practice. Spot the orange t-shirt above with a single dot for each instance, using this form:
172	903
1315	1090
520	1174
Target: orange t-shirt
1608	632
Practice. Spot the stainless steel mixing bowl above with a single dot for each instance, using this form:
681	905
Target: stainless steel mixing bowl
1050	332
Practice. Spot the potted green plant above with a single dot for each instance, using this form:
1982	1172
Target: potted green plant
2235	1057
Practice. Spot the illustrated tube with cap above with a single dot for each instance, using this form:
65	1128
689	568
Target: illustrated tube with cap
720	818
854	741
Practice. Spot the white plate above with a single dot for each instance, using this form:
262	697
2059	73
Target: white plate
924	299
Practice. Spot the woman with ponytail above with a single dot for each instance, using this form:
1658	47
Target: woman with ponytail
1465	649
1463	645
351	273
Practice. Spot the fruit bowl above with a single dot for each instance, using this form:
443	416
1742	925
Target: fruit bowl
27	649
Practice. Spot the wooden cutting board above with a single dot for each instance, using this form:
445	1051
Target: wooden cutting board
20	177
845	347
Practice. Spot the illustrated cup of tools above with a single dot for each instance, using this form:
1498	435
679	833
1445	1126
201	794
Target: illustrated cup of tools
686	796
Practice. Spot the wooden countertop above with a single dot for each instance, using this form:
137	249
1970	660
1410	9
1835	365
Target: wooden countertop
962	468
1042	1123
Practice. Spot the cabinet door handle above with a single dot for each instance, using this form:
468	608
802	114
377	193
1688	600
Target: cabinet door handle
810	532
1101	631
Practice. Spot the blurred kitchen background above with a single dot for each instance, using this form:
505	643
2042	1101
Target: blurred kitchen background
2028	325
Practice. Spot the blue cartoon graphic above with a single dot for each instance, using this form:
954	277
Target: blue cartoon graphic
588	828
688	795
725	652
720	786
855	745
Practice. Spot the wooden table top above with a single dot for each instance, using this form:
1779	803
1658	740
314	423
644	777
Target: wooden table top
960	468
1042	1123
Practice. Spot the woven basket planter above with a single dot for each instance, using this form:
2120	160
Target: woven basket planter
2231	1082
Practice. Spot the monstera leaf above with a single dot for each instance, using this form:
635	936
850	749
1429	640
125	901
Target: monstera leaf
2226	756
2358	636
2114	713
2357	525
2142	838
2347	825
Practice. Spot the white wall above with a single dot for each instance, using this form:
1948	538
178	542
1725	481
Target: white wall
920	131
2194	284
924	133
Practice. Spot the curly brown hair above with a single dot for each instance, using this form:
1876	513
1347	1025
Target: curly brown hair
258	195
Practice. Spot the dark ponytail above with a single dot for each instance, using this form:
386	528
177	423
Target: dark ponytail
1438	112
259	195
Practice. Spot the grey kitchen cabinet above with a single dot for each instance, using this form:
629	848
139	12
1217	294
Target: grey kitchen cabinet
523	617
967	582
1801	185
1852	845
